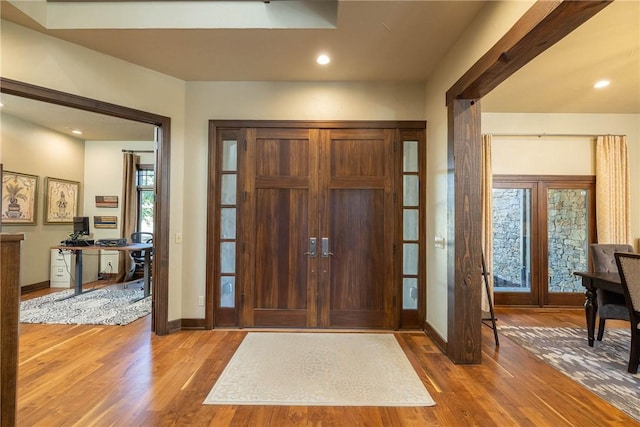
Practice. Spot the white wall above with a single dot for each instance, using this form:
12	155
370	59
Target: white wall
41	60
493	21
103	177
270	101
45	61
562	155
35	150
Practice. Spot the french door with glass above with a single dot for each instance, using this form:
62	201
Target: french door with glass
542	227
311	229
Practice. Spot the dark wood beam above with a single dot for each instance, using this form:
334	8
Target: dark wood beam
543	25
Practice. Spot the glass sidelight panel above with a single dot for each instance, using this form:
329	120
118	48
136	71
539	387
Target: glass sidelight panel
228	223
568	238
227	214
410	224
409	293
228	257
227	291
229	155
410	259
512	239
410	190
228	190
412	230
410	156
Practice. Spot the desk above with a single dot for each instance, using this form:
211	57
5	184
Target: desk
130	247
592	281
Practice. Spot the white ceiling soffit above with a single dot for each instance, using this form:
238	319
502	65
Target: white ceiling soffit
397	41
281	14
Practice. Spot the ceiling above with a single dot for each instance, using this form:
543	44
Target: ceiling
371	41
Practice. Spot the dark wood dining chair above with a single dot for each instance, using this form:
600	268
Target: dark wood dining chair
611	305
629	267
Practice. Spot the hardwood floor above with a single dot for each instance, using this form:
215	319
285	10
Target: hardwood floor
125	376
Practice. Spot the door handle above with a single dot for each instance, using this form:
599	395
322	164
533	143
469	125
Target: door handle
325	247
312	247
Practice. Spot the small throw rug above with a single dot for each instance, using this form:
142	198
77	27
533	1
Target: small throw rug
106	306
601	368
319	369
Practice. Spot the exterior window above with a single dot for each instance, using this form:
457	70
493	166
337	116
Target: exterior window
542	227
145	180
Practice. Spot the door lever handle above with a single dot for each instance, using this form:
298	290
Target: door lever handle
325	247
312	247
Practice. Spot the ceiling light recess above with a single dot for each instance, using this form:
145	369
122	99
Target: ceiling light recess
601	83
323	59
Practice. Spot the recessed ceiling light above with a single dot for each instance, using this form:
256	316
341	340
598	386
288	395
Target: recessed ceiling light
602	83
323	59
76	131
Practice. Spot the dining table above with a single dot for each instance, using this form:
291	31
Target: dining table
592	281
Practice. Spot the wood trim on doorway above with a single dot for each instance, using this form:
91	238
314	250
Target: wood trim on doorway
402	128
162	208
544	24
539	220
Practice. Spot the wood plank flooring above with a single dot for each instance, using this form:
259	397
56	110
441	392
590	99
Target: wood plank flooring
125	376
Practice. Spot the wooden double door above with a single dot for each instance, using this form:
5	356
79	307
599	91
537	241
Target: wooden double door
316	228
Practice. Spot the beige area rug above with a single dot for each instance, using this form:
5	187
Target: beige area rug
319	369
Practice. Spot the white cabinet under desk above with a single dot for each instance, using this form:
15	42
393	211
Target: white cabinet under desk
63	264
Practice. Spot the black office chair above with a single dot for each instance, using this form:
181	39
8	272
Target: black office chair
137	257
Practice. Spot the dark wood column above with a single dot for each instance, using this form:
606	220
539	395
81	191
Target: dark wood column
464	233
9	319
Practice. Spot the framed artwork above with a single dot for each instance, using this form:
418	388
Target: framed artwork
19	195
60	200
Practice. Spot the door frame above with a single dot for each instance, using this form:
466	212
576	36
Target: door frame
539	184
160	294
217	127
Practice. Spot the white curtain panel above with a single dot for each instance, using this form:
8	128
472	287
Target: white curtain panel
613	193
487	218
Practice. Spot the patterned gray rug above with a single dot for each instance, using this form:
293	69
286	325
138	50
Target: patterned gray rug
106	306
601	368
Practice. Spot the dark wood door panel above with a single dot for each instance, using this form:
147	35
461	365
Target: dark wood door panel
365	319
358	217
322	184
359	282
357	157
278	288
280	264
282	157
357	234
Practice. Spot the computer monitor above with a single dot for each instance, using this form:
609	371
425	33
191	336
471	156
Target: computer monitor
80	226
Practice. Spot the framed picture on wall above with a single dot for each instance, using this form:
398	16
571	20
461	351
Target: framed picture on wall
19	195
60	200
